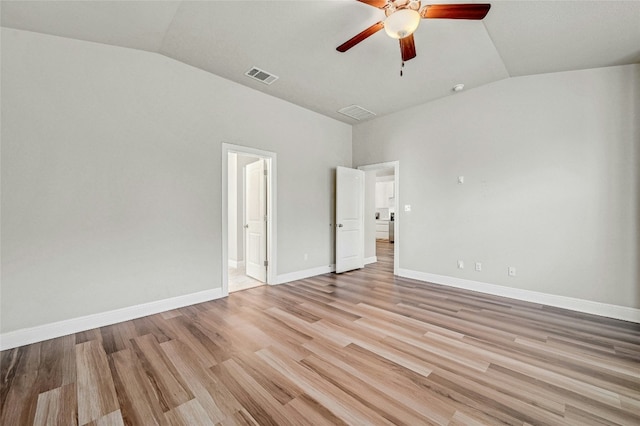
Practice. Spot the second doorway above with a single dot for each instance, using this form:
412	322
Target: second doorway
247	221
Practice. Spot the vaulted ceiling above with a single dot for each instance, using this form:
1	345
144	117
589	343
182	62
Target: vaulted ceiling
297	40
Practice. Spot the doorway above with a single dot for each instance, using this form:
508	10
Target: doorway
248	218
382	218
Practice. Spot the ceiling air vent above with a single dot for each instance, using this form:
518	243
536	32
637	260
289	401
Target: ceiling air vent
261	75
356	112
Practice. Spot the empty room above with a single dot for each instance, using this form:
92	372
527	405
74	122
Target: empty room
320	212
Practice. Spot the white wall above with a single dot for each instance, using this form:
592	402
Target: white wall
551	165
111	177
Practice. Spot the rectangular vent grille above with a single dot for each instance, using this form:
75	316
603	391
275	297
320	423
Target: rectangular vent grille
356	112
261	75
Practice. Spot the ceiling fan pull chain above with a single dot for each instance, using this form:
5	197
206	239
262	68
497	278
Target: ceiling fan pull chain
401	67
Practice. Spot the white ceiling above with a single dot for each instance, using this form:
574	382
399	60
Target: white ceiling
296	41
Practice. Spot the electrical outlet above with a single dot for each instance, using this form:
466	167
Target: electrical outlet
460	264
512	271
478	266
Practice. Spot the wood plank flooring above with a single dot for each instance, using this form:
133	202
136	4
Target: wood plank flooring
358	348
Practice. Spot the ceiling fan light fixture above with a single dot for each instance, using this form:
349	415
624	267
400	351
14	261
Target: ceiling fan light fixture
402	23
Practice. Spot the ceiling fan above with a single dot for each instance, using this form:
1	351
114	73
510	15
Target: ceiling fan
403	18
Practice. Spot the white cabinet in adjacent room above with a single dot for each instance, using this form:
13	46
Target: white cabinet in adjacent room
382	229
384	192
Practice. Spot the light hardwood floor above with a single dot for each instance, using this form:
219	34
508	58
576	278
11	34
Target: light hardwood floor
357	348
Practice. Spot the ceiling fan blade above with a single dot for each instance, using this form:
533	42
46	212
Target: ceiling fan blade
408	48
380	4
455	11
358	38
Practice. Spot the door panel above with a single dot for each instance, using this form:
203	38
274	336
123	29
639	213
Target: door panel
349	219
256	216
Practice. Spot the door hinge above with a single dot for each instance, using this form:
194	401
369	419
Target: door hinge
266	263
265	172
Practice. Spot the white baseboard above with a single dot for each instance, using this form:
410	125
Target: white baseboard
587	306
39	333
235	264
307	273
300	275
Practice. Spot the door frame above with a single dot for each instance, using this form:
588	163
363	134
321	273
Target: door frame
396	217
271	167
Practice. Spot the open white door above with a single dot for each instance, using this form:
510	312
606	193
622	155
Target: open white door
256	216
349	219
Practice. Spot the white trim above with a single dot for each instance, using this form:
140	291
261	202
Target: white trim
571	303
320	270
39	333
272	252
397	217
235	264
307	273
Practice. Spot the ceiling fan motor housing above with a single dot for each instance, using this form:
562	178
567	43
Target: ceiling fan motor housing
393	6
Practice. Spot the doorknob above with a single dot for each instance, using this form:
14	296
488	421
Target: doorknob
339	225
247	226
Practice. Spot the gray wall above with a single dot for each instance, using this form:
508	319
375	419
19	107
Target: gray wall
551	165
111	177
